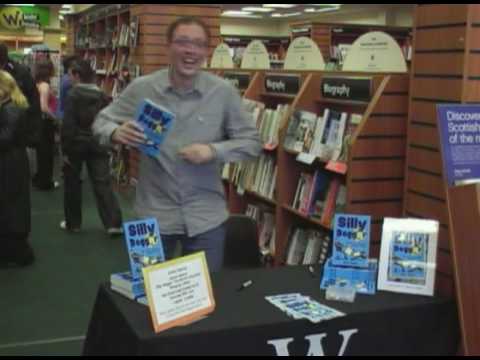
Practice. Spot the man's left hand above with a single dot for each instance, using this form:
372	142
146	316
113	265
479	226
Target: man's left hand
197	153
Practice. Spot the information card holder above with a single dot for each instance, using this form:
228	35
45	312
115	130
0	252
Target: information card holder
179	292
464	206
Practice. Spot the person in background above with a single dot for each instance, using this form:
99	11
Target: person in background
26	83
15	208
181	187
43	180
82	104
65	83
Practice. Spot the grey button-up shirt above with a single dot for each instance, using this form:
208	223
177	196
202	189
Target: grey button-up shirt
185	198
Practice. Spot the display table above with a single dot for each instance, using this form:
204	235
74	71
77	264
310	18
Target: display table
244	323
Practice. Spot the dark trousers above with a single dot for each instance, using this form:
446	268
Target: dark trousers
212	242
99	174
45	154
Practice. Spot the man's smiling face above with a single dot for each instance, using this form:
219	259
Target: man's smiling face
188	50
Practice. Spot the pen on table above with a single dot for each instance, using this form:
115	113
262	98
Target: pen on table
245	285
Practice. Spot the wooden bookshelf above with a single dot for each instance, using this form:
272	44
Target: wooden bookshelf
445	69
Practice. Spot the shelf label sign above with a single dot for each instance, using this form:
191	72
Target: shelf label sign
375	52
282	84
222	57
459	127
304	54
347	88
239	80
256	56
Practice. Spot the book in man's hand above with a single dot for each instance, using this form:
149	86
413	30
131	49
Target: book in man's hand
156	122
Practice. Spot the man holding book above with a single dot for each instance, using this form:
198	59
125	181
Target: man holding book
181	185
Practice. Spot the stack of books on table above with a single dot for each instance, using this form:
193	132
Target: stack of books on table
124	284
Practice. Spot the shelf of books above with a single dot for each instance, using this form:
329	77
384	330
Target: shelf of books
324	152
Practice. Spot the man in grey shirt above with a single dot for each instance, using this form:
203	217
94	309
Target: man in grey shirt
182	186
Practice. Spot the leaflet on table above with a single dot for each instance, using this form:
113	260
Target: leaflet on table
351	239
144	245
156	122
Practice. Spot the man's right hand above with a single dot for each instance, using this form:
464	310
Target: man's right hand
129	133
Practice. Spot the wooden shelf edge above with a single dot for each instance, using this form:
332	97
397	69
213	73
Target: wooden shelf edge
306	218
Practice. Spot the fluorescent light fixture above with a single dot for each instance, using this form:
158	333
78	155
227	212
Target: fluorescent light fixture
66	6
242	14
257	9
312	10
329	5
279	6
21	5
277	15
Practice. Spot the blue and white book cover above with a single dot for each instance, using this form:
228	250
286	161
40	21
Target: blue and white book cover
144	245
408	256
351	240
156	122
125	281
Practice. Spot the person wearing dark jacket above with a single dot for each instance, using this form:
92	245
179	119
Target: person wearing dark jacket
25	82
83	103
15	210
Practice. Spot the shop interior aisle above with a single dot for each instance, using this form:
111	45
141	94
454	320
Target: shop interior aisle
45	308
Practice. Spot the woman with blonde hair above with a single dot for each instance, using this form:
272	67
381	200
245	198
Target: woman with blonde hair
14	175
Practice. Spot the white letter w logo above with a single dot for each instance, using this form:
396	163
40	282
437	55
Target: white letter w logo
315	348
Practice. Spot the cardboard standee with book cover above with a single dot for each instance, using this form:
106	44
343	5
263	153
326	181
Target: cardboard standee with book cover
408	256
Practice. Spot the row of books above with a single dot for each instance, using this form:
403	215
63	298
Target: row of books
307	247
320	196
257	176
268	121
127	36
322	136
265	220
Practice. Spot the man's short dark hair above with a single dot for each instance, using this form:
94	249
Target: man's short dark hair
84	70
186	20
68	62
3	53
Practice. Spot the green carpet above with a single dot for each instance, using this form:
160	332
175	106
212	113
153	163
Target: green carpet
53	298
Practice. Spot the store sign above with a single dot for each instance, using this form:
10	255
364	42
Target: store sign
304	54
256	56
459	127
375	52
222	58
14	18
348	89
239	80
282	83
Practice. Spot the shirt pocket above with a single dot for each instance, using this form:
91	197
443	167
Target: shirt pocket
208	126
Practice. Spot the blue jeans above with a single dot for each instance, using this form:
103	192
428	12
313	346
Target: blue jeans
212	242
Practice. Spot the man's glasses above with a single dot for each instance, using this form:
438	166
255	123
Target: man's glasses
185	43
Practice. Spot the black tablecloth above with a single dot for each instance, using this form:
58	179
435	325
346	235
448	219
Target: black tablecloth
244	323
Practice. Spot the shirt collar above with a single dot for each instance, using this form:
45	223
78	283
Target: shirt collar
199	85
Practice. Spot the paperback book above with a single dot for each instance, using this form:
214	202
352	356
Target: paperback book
144	245
156	122
351	237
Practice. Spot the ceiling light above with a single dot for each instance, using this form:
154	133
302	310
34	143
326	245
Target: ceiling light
24	5
312	10
66	6
277	15
243	14
329	5
279	6
259	9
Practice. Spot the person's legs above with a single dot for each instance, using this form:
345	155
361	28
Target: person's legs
43	180
170	243
212	242
72	200
107	203
17	249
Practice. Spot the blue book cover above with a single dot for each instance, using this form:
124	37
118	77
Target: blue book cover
125	282
156	122
363	280
351	240
408	257
144	245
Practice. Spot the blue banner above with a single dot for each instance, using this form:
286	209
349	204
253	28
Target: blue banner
459	127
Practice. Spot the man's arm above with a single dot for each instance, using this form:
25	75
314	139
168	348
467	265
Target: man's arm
116	123
243	141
